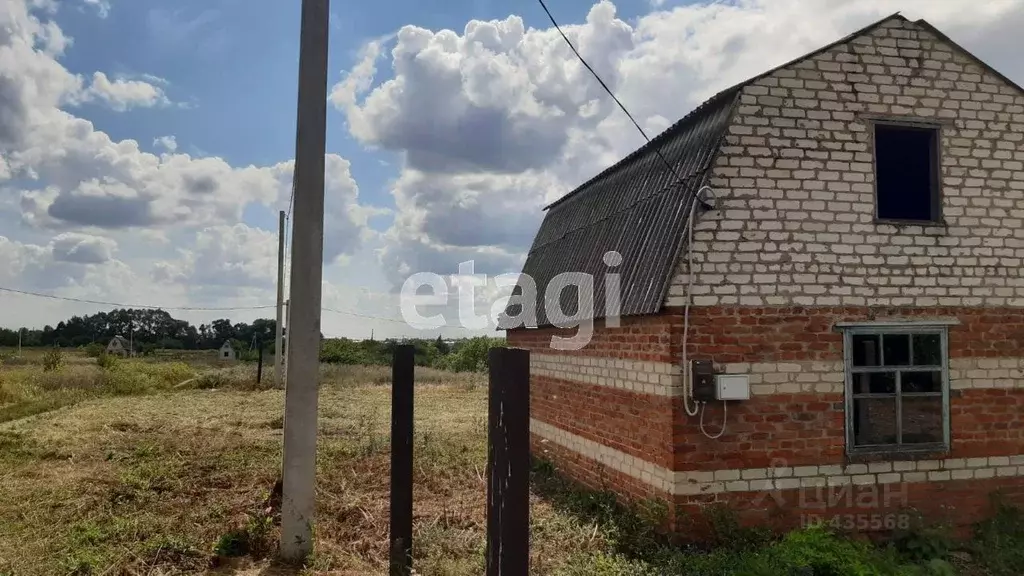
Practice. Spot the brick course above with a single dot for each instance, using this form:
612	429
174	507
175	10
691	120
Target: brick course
593	474
637	424
644	338
731	334
660	378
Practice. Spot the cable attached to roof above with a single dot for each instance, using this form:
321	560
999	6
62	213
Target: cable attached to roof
606	88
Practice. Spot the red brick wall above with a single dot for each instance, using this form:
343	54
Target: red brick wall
809	429
638	424
782	429
637	338
986	423
731	334
798	429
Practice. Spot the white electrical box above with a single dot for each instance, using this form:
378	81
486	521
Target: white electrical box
732	387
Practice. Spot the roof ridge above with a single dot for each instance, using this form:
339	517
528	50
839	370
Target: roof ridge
942	36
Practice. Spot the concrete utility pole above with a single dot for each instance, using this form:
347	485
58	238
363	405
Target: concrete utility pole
303	349
278	356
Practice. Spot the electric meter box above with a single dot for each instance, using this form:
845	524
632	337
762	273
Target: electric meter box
732	387
703	381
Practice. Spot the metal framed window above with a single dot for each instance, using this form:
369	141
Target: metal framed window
897	389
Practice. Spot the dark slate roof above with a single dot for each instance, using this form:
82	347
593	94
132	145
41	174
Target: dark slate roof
638	207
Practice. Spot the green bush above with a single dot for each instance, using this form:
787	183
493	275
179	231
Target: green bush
729	533
254	539
602	564
95	350
824	553
923	543
106	361
470	356
999	541
53	360
123	380
343	351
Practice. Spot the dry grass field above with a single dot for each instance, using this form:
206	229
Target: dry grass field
168	467
120	470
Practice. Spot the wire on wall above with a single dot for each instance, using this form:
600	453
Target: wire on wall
698	407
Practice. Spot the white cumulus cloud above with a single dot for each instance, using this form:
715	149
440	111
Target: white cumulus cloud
498	119
87	215
122	94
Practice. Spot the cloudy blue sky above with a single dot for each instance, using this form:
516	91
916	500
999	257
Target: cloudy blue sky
146	146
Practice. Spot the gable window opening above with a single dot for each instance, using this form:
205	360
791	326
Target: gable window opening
896	390
907	173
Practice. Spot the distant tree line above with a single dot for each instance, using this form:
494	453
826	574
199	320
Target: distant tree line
147	328
156	329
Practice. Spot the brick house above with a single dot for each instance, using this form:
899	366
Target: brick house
855	285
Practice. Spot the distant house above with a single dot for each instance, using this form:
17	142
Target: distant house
227	351
119	346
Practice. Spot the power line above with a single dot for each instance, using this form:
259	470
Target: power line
606	88
186	308
359	315
291	200
117	305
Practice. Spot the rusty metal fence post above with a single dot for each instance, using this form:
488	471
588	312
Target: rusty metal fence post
508	463
259	364
402	378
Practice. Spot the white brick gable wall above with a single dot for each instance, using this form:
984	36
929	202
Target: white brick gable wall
794	182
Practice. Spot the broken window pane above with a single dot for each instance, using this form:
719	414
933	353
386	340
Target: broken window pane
874	421
912	382
874	383
865	350
896	349
922	420
927	350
